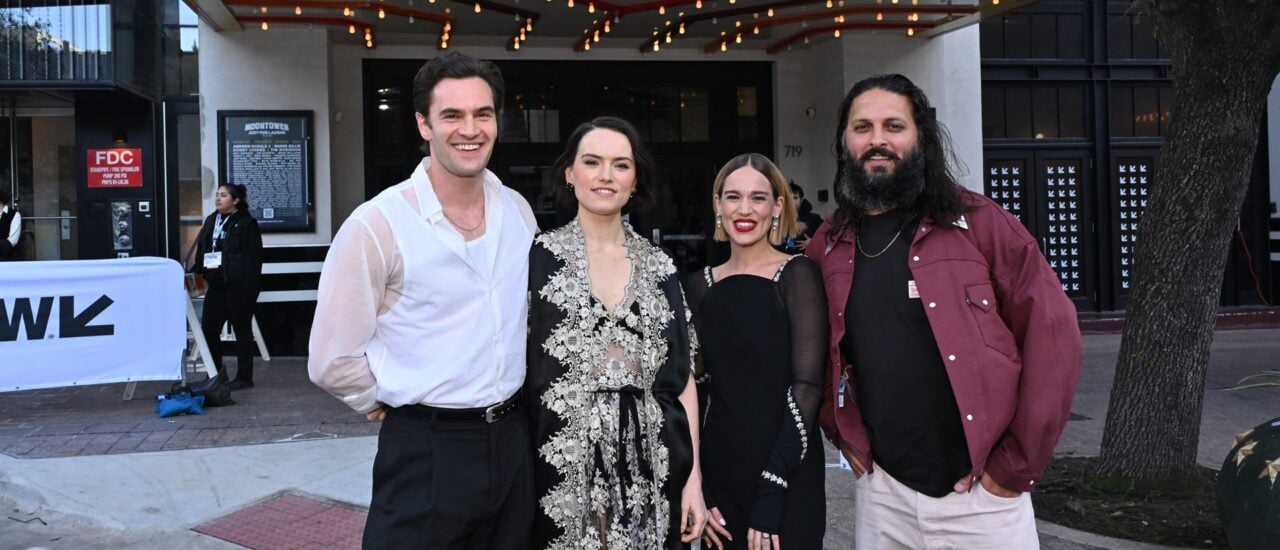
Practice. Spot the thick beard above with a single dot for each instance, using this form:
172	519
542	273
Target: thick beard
881	190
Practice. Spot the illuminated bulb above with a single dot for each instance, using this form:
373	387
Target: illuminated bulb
915	2
595	37
835	19
737	24
528	24
351	29
444	45
681	28
895	1
737	39
448	27
879	16
806	40
770	12
698	4
346	12
264	25
445	37
516	45
724	46
837	33
570	3
477	7
410	19
995	2
912	32
668	38
264	9
732	1
587	46
382	14
828	3
607	26
591	7
521	33
297	10
755	30
655	46
662	10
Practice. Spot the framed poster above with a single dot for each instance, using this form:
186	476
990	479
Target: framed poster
271	154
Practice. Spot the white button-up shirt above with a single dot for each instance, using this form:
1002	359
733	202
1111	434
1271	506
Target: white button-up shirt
408	312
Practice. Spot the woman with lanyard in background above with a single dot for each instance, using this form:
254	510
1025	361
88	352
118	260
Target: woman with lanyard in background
229	256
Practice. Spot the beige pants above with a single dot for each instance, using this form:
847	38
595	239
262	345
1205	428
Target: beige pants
890	515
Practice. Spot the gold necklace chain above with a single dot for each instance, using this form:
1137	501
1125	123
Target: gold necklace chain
460	226
883	250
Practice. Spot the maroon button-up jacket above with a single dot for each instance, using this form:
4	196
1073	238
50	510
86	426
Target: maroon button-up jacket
1007	334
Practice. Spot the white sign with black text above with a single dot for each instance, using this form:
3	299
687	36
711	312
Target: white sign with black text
78	322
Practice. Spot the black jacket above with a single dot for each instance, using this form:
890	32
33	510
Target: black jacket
241	249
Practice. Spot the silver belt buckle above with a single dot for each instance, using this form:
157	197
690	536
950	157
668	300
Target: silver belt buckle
489	414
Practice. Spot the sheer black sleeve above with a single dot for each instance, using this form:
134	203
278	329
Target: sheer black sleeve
695	289
805	300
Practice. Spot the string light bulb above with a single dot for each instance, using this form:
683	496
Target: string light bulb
837	33
662	10
587	46
528	24
698	4
382	14
351	29
411	19
668	38
264	25
595	37
297	10
879	16
591	7
655	46
681	27
755	30
995	2
724	46
770	12
477	7
570	3
346	12
516	44
264	9
448	27
522	33
737	39
828	3
607	27
911	32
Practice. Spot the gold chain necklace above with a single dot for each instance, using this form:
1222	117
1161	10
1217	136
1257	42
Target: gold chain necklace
883	250
460	226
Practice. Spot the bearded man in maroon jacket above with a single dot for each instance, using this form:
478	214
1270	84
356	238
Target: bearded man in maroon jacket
954	350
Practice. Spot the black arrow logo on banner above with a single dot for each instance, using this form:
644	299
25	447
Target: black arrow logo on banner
75	326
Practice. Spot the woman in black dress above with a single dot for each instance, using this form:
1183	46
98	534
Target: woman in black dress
229	256
609	386
761	321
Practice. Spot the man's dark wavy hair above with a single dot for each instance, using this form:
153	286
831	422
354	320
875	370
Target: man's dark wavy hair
942	199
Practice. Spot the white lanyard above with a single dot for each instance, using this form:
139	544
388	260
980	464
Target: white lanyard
217	228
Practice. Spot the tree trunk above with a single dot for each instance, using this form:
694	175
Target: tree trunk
1225	55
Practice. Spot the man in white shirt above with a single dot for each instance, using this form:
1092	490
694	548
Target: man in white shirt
10	226
421	323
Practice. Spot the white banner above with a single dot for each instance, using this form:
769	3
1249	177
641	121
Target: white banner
65	323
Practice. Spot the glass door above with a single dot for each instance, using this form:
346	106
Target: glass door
37	165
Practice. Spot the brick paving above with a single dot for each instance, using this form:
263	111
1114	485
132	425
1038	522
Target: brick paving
290	521
94	420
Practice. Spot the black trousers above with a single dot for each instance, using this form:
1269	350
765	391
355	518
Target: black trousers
231	303
448	485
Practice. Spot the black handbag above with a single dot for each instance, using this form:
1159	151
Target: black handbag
216	392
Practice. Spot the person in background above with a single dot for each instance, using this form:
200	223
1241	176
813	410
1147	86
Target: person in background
229	257
807	221
10	226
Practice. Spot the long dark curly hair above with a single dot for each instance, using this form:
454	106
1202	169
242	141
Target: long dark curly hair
942	198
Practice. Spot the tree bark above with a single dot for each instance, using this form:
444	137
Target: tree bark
1225	55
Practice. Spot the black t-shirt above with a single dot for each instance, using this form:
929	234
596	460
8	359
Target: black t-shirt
901	385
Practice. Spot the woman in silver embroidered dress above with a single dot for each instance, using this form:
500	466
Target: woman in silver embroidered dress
609	386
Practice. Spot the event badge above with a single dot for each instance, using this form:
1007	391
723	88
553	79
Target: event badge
912	291
844	386
212	260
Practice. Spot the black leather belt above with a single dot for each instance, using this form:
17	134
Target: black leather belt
487	415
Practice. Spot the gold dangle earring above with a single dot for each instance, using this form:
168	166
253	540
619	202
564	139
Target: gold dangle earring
773	231
720	234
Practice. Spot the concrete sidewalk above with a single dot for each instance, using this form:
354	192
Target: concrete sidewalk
82	469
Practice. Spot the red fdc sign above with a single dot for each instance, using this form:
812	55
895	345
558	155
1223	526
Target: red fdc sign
115	167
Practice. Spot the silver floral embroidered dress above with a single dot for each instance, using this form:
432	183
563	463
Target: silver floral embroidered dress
612	440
